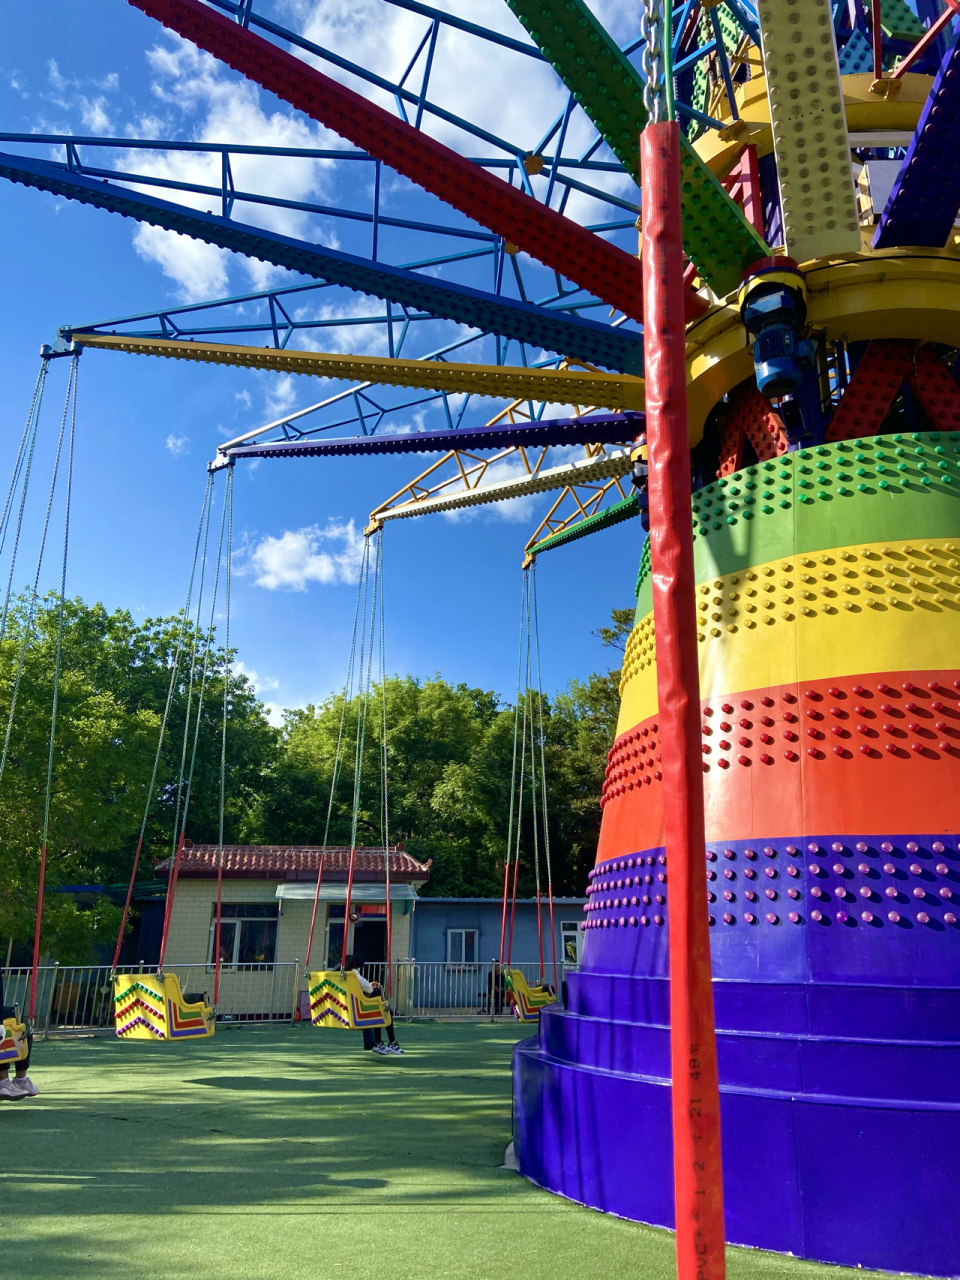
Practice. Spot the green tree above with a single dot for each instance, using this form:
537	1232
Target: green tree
113	688
450	751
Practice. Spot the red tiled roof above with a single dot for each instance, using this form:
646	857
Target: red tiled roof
295	862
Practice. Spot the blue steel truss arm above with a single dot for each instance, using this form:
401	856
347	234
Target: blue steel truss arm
397	91
227	194
586	339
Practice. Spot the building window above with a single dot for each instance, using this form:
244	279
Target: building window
248	933
336	917
570	941
461	946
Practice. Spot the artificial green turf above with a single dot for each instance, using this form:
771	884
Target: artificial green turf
290	1154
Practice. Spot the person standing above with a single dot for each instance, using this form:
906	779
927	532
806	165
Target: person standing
21	1086
372	1036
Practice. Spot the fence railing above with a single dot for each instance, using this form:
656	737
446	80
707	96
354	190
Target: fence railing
441	988
80	997
76	998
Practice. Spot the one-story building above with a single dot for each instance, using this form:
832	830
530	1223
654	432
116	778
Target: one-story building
267	902
468	930
444	950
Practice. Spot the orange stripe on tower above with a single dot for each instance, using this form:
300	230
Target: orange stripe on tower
875	755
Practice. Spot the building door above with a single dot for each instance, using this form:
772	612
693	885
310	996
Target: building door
370	941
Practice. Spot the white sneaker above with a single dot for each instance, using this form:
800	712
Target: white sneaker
381	1049
10	1089
394	1048
27	1088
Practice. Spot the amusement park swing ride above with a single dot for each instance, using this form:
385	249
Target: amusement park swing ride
771	935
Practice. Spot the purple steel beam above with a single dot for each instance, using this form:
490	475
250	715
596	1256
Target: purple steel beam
926	195
607	428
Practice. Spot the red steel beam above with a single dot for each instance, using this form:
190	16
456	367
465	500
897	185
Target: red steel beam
697	1169
872	390
926	40
936	389
583	258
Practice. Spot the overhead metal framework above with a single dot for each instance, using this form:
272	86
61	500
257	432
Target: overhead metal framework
484	265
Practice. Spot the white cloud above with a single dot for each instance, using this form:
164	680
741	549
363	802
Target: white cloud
281	394
245	399
262	684
508	94
93	113
191	85
511	511
200	270
177	444
299	556
68	94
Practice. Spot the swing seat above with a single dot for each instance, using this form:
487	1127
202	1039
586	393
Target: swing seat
148	1007
13	1045
338	1000
527	1000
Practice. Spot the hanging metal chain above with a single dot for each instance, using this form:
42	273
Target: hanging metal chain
652	61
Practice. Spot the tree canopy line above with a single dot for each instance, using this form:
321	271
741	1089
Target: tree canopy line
449	754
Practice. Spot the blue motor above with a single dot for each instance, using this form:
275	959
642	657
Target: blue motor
773	309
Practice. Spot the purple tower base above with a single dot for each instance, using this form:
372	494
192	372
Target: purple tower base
839	1073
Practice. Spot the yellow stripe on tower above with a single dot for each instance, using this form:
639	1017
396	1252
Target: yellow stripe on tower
847	611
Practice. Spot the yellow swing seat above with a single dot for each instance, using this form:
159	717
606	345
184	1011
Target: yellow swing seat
13	1046
527	1000
338	1000
148	1007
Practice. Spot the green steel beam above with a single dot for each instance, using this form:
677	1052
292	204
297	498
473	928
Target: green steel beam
625	509
716	235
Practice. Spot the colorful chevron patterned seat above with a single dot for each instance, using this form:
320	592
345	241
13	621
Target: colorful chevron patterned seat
148	1007
338	1000
527	1000
13	1045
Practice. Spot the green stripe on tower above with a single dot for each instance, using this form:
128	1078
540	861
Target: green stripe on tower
886	488
716	235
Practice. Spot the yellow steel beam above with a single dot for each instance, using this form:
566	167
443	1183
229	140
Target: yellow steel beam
891	109
552	386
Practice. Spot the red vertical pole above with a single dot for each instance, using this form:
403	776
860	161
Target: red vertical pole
217	928
386	860
126	904
513	909
346	911
553	938
750	178
698	1176
876	32
540	934
171	894
503	917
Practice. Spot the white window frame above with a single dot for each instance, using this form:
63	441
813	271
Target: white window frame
236	921
568	928
462	935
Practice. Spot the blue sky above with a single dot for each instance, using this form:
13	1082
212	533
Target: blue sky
147	428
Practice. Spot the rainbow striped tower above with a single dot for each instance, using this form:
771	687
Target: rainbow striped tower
829	636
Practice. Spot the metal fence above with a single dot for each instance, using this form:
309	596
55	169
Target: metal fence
440	988
79	998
